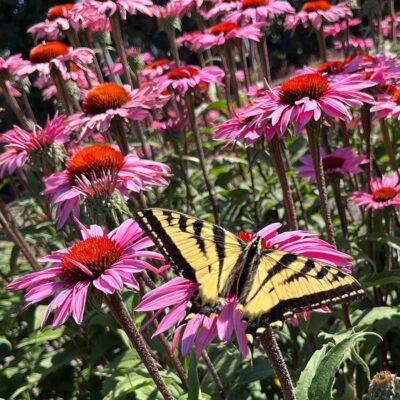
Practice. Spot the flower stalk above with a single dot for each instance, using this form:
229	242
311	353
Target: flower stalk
119	45
313	133
275	150
335	181
12	102
321	43
123	318
271	348
214	374
192	119
264	58
7	222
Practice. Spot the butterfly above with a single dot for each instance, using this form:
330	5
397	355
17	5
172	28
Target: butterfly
270	285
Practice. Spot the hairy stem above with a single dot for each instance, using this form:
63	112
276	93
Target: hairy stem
123	318
200	153
12	102
119	45
271	348
275	149
214	373
7	222
313	133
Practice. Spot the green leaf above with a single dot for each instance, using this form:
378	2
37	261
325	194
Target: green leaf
40	337
389	316
193	378
308	374
321	386
381	278
361	361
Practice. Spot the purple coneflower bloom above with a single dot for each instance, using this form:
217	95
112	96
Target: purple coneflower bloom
104	262
241	128
309	97
226	31
184	78
21	145
95	172
341	162
56	23
314	12
199	329
259	10
59	55
107	101
385	192
123	7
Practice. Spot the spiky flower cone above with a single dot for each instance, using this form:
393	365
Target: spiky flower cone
384	386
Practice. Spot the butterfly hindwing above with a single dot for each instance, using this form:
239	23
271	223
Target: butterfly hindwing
282	284
202	252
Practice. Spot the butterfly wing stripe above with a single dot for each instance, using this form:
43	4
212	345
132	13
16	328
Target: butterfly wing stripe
197	248
154	229
219	238
281	286
279	266
342	294
308	266
197	228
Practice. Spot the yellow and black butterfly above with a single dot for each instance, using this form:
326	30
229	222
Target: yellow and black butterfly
269	284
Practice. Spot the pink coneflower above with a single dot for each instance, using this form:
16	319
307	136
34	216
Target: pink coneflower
335	69
314	12
108	101
12	67
184	78
95	172
170	10
84	16
309	97
157	68
240	128
189	40
354	42
387	104
59	55
385	192
342	162
386	26
173	124
259	11
221	7
103	262
38	145
123	7
201	329
56	23
219	34
336	29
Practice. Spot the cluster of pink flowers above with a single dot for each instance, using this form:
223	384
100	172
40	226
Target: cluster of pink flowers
130	97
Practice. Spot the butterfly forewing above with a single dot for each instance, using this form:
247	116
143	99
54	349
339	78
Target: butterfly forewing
283	283
202	252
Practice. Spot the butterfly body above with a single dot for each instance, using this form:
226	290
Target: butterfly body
269	284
